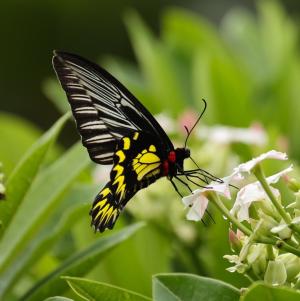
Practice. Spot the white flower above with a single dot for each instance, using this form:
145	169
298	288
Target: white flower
275	273
198	201
225	134
248	166
238	267
282	230
253	193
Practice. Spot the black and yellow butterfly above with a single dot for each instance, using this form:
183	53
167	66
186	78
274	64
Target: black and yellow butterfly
117	129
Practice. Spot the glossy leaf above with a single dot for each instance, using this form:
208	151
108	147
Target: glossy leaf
72	207
79	264
188	287
261	291
92	290
17	136
25	173
57	298
39	202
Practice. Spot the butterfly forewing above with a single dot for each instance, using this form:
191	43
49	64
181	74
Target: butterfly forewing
86	84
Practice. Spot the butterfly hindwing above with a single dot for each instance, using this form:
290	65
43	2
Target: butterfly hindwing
137	164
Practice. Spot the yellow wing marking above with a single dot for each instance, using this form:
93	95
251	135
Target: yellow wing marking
146	162
146	170
121	186
105	192
102	210
149	158
107	213
136	136
152	148
119	169
100	204
126	141
121	156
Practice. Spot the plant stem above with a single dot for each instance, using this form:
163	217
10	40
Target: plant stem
280	244
262	179
216	201
270	252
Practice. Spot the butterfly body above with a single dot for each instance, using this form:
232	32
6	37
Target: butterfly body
116	129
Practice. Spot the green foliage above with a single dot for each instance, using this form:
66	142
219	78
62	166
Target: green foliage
92	290
18	135
185	287
247	70
78	264
166	287
260	291
58	299
43	202
17	186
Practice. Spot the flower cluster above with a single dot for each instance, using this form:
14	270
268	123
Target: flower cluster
266	244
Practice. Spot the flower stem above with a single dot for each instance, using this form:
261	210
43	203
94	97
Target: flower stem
262	179
280	244
270	252
217	202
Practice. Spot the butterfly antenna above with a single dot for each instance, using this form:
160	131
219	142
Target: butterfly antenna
190	131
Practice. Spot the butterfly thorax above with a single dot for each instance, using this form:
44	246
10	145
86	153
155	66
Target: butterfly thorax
174	161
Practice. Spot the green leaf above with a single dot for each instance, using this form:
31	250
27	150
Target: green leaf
188	287
157	67
261	291
79	264
16	135
25	172
92	290
67	214
40	201
57	298
148	251
56	94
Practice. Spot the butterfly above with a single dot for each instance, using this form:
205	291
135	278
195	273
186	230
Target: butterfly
118	130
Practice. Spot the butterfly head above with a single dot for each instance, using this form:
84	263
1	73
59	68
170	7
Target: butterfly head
182	154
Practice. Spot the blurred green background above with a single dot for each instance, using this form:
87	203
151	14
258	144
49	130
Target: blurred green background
241	56
31	30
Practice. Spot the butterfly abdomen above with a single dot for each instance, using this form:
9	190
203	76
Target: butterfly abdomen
105	210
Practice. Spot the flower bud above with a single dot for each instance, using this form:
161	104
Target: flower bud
235	240
275	273
292	183
292	265
297	284
257	258
264	225
282	230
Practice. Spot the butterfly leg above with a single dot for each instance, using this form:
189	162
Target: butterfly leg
175	187
184	183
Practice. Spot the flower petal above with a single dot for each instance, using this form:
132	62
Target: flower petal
198	209
198	200
275	178
246	196
248	166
